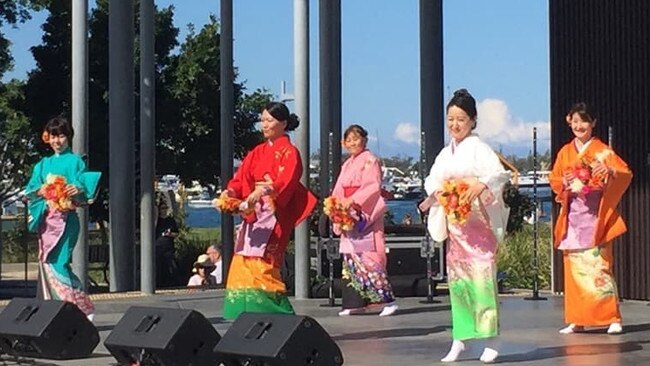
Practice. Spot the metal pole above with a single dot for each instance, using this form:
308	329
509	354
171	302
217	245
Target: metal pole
79	124
301	80
427	241
535	219
324	51
432	111
226	122
336	105
147	147
330	251
121	143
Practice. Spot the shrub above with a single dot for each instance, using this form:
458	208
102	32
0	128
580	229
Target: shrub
515	257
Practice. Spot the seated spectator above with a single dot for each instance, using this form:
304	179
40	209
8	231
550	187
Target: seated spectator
202	269
214	252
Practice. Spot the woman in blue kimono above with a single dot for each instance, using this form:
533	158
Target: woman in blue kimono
58	225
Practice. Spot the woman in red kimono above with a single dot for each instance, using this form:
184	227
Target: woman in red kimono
588	179
268	180
366	284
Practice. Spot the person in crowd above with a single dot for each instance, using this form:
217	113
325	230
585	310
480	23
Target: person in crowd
214	252
274	202
365	281
472	244
58	185
588	179
202	277
166	232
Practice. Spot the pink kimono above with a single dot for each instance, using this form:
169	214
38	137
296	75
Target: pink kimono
363	248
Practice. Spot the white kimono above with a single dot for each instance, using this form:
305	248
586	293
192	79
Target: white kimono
471	158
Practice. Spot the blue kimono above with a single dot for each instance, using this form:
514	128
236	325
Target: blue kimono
58	230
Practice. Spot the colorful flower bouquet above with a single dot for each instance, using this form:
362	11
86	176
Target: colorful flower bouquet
457	210
54	192
229	205
585	180
346	216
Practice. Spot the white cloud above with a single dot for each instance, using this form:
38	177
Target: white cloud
497	127
407	132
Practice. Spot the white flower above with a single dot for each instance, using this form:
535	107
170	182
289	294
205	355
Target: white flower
602	155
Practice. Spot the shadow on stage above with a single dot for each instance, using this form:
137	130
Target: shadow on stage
574	350
390	333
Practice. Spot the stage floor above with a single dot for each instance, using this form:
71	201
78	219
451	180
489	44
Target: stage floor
419	334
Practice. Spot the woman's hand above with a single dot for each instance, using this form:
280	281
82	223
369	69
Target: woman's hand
226	193
255	196
568	178
600	169
473	192
71	190
346	201
428	202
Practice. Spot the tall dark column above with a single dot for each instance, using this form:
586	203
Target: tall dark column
432	110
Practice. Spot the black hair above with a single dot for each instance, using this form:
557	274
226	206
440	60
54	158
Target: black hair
465	101
280	111
583	111
59	126
355	129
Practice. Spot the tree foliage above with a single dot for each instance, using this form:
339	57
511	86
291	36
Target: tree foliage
189	135
15	141
12	12
187	94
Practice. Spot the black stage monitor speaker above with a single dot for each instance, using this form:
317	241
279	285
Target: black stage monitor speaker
163	337
46	329
257	339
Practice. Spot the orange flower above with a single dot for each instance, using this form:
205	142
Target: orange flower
457	210
227	204
343	215
585	180
45	137
54	192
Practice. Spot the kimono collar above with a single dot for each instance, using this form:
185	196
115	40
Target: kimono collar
454	145
583	148
359	154
67	151
280	142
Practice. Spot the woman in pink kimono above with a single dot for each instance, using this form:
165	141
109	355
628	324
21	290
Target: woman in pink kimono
472	245
365	282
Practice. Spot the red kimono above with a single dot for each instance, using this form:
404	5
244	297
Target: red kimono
254	283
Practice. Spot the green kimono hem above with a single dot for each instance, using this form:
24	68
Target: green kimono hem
255	301
474	309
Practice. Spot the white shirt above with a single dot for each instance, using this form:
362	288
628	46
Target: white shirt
217	271
195	280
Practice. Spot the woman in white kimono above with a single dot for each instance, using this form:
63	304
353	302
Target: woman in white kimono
472	246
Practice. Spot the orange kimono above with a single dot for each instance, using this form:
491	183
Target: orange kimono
586	225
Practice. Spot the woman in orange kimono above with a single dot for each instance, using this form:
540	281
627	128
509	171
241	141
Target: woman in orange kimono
268	181
589	180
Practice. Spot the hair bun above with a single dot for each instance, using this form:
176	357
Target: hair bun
293	122
461	93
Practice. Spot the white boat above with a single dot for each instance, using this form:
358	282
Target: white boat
199	203
528	179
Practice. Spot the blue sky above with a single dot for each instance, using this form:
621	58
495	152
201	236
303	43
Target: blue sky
497	49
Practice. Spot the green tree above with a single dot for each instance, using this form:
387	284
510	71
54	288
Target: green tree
189	136
12	12
187	94
401	162
15	152
15	141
